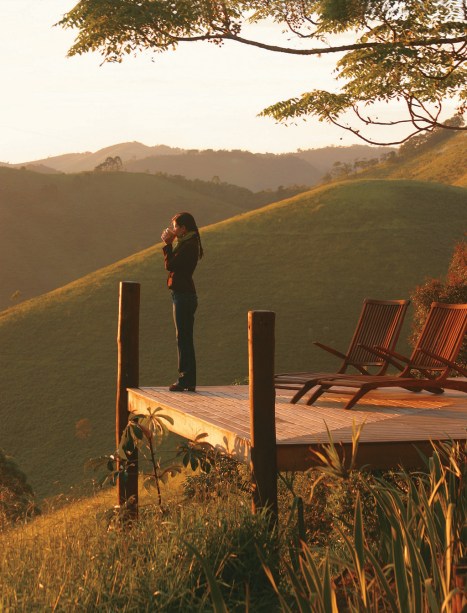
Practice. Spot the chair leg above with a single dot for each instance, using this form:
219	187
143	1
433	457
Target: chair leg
302	391
434	390
316	394
356	397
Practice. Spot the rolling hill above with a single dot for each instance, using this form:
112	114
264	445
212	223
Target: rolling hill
323	159
312	259
255	171
57	228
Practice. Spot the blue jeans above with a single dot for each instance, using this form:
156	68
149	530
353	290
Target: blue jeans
184	308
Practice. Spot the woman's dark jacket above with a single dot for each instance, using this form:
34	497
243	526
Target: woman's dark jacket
181	266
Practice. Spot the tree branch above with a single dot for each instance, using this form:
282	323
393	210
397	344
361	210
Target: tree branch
321	50
429	122
368	140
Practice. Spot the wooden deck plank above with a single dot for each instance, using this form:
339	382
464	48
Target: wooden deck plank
394	420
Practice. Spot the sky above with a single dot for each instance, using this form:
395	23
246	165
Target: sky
197	97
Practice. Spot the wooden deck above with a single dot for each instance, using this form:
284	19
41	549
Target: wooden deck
396	422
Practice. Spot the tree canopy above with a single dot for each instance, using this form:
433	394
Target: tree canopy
110	164
410	51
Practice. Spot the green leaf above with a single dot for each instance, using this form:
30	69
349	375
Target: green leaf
284	606
358	533
383	581
129	447
431	597
402	584
329	595
311	574
137	431
217	599
167	418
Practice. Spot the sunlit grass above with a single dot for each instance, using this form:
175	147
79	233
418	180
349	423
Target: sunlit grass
444	163
80	557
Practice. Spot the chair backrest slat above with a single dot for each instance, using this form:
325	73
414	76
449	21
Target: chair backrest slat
379	324
442	334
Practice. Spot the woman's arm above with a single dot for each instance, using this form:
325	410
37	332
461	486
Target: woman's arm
184	258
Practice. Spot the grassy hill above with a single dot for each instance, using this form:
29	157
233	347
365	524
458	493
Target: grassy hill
324	158
443	162
312	259
56	228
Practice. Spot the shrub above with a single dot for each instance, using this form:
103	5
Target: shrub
16	495
226	475
452	289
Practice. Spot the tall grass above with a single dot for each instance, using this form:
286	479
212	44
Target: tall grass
80	560
408	564
385	543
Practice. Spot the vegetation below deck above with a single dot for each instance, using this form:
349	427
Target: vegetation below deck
346	540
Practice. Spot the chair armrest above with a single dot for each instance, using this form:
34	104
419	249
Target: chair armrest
452	365
330	349
386	355
396	355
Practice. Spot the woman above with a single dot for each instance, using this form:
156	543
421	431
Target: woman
181	253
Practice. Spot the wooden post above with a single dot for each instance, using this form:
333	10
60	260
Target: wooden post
127	376
262	410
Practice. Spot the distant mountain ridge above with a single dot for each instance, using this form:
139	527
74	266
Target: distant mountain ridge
255	171
88	160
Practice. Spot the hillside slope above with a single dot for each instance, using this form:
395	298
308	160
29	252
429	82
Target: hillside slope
444	162
312	259
56	228
324	158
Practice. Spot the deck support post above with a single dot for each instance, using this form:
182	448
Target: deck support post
127	376
262	410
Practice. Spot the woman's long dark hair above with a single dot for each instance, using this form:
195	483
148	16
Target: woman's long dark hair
187	220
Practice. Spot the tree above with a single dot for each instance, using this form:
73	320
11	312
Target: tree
403	51
110	164
428	140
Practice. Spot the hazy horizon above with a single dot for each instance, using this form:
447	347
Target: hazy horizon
199	97
182	150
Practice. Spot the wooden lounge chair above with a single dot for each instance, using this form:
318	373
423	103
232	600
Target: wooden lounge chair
428	368
379	324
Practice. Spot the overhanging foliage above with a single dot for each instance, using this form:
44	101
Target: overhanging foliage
411	51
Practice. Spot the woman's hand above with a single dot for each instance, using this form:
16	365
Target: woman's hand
168	236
